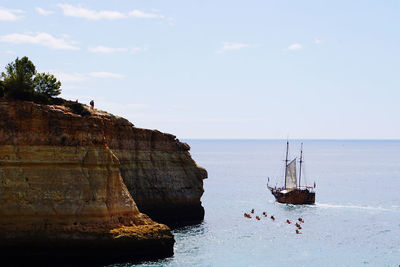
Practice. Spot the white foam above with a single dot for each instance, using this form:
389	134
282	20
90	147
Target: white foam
326	205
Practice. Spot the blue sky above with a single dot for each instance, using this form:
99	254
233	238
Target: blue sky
221	69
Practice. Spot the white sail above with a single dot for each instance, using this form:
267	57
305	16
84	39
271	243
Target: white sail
291	178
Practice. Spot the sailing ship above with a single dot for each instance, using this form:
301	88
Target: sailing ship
293	192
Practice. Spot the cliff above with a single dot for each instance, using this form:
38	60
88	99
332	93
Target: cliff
159	173
63	184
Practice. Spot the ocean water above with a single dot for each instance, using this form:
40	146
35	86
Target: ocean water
355	221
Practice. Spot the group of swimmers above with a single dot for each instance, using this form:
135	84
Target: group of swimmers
297	224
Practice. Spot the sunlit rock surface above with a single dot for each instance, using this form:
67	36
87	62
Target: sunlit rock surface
67	182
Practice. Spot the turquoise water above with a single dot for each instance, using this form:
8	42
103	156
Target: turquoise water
355	222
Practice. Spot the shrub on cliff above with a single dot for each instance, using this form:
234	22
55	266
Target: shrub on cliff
77	108
21	81
46	84
18	79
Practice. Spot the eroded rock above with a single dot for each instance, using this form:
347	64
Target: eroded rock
62	196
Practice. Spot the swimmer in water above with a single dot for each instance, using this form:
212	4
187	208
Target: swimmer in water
298	232
252	210
272	217
288	222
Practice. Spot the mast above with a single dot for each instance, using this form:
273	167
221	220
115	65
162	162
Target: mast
301	161
286	160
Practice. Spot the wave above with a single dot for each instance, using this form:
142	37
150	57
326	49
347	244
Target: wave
326	205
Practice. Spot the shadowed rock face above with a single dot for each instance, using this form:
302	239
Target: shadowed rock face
160	175
63	185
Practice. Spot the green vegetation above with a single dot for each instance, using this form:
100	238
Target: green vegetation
46	84
21	81
18	79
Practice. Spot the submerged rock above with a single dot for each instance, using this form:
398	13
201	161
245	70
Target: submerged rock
63	192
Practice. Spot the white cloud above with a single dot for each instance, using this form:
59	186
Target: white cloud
295	47
10	14
83	77
81	12
43	12
137	49
106	49
41	38
109	50
69	77
143	15
103	74
318	41
227	46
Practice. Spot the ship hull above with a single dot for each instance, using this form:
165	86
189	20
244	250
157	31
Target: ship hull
295	196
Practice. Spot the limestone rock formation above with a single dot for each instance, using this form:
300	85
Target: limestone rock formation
62	184
159	173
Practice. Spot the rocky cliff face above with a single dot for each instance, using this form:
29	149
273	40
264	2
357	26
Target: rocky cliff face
159	172
63	176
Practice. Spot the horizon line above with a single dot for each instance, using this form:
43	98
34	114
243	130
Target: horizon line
284	139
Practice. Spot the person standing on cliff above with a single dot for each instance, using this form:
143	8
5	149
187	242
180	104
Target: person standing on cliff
92	104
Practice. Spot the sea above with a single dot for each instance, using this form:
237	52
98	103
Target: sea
354	222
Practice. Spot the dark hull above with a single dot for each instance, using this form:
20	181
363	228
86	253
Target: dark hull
295	196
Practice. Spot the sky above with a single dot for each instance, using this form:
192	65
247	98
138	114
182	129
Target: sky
221	69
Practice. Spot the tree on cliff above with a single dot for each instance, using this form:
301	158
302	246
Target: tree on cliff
47	84
21	81
18	79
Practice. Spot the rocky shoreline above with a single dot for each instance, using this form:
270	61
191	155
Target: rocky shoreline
119	245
